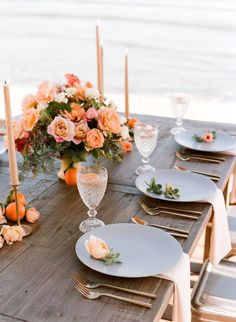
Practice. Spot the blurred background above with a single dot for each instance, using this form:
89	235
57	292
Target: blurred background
174	46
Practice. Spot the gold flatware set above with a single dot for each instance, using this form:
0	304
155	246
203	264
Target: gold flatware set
84	286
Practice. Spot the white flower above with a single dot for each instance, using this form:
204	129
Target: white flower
124	132
92	92
60	98
113	105
71	91
42	106
123	119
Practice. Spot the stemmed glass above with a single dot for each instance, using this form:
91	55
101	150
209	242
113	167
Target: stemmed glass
91	183
145	137
180	104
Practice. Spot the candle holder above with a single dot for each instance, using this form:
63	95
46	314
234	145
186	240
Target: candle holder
27	229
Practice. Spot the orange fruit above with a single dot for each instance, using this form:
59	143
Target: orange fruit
70	176
132	122
20	197
11	211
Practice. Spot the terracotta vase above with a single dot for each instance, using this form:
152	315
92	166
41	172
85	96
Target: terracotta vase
65	163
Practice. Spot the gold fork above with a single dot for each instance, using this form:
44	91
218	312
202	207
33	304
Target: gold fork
92	284
156	212
95	295
187	158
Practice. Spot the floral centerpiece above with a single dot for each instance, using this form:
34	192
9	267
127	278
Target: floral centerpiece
69	121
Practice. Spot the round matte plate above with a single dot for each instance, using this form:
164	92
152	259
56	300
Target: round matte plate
223	142
144	251
193	187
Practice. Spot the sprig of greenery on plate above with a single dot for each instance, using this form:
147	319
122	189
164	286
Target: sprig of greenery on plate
111	258
170	191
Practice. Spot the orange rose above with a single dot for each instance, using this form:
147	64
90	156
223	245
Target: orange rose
109	120
208	137
28	102
126	146
29	119
77	112
94	139
46	92
132	122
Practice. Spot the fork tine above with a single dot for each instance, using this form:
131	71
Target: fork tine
84	288
81	290
76	276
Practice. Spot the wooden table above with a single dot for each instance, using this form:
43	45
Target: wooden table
35	283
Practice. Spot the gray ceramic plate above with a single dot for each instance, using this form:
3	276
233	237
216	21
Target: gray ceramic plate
144	251
193	187
223	142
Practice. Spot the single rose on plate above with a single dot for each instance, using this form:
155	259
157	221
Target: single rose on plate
207	137
98	249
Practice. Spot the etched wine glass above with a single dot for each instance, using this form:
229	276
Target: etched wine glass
91	183
180	104
145	137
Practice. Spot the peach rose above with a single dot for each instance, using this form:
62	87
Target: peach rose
132	122
3	220
96	247
29	101
62	129
32	215
126	146
88	84
91	113
2	210
208	137
81	129
46	92
18	129
77	112
29	119
109	121
94	139
1	241
12	233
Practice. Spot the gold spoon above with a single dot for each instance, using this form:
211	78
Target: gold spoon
173	231
213	177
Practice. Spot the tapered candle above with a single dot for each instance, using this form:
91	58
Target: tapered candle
98	55
102	72
14	179
126	85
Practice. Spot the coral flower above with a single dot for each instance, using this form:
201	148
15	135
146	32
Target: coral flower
29	119
126	146
12	233
109	121
208	137
28	102
32	215
72	79
81	130
94	139
62	129
46	92
96	247
77	112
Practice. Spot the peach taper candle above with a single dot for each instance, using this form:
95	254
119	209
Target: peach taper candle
10	138
98	56
126	86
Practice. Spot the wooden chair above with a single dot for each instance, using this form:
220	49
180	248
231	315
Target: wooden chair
214	294
232	228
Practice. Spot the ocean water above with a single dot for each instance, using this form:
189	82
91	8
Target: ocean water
174	45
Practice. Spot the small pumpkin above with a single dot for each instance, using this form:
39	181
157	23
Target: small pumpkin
20	197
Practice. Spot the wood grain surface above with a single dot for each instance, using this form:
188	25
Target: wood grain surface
35	283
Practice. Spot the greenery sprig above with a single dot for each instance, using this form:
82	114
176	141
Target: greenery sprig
169	192
111	258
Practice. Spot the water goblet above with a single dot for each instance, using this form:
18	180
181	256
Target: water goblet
180	104
145	137
91	183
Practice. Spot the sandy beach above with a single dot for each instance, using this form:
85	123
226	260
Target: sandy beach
174	46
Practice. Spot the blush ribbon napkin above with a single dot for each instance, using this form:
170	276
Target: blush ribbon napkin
220	238
233	192
180	275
